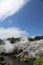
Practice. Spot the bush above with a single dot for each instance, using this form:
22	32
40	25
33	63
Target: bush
38	61
13	40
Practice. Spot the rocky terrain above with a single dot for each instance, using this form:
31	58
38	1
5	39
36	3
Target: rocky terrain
34	48
20	50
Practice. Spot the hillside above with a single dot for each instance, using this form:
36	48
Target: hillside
21	51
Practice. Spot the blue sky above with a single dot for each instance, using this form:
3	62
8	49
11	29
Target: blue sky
29	18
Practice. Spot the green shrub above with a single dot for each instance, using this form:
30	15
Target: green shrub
38	61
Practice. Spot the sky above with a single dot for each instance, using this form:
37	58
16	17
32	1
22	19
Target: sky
21	18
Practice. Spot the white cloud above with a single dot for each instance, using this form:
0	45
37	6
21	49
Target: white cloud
10	7
12	32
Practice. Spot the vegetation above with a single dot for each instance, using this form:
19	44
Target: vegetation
39	61
13	40
36	38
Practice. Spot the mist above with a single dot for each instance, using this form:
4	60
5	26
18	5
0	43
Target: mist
8	47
